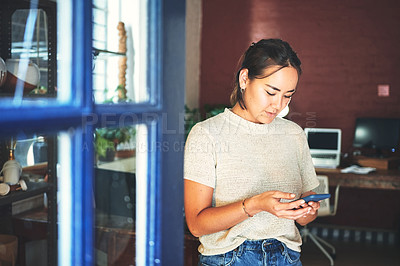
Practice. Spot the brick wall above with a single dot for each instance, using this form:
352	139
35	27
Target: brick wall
347	48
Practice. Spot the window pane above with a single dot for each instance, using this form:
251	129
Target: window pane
29	63
118	191
34	55
28	199
36	52
119	51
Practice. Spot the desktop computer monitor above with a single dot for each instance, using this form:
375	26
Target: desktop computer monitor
380	134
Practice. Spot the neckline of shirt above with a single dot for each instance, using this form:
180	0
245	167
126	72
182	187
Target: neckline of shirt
249	126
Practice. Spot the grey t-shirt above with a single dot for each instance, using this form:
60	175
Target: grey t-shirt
240	159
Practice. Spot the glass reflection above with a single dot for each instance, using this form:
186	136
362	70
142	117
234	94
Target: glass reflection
33	46
28	50
27	200
115	195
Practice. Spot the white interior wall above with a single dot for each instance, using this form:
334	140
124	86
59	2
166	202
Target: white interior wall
133	15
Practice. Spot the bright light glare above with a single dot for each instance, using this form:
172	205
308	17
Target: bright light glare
361	133
141	194
64	200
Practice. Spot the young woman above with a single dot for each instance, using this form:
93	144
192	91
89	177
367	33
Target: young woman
245	168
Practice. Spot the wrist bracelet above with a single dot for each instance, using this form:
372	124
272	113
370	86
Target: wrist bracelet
244	209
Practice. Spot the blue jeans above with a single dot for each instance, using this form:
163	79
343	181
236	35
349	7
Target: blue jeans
255	252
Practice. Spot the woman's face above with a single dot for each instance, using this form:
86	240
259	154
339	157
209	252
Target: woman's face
265	98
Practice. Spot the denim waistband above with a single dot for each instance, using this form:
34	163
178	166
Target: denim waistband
264	244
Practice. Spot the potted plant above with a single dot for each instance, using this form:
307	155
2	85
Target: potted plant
107	140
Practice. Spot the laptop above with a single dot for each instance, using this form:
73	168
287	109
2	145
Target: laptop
324	146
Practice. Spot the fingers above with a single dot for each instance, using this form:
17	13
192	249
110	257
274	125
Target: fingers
283	195
304	205
315	206
297	209
296	204
294	214
305	210
293	210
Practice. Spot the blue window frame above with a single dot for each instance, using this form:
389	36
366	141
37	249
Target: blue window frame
163	242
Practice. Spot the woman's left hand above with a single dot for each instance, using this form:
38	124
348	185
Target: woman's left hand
312	214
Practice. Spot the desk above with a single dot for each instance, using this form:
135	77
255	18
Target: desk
363	199
380	179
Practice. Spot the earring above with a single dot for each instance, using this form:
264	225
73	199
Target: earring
242	90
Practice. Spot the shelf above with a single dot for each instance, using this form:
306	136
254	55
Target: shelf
34	188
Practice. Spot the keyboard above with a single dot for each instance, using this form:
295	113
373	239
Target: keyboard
324	156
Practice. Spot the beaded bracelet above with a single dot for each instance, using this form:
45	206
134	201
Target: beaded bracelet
244	209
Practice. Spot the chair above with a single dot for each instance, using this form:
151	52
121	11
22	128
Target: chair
325	210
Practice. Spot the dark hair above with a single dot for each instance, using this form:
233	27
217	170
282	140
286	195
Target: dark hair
260	56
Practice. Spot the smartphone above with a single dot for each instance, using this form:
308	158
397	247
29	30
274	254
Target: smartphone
316	197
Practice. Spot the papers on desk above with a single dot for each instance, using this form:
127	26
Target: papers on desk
355	169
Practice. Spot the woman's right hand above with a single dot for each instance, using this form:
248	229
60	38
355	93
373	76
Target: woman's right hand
270	201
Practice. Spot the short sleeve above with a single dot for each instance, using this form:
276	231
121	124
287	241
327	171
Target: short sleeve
199	158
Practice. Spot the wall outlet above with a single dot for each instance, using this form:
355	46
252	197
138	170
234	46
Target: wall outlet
383	90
